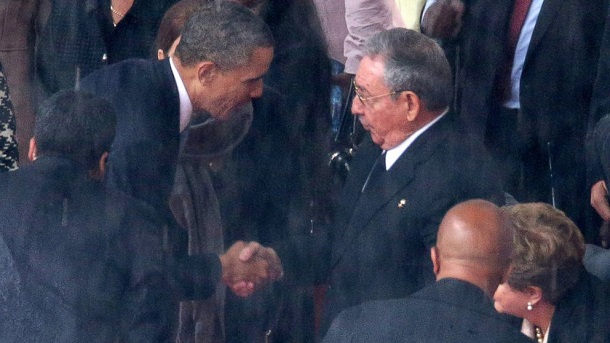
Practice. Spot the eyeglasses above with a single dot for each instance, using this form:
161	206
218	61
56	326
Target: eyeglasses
364	99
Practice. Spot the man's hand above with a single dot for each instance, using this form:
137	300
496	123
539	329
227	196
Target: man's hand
443	19
247	266
599	200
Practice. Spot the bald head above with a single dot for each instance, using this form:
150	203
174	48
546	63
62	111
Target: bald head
474	244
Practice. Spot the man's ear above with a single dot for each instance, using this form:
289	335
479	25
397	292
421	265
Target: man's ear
160	54
206	71
436	263
102	163
412	104
99	172
33	151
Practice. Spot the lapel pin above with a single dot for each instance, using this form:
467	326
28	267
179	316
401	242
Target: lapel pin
402	203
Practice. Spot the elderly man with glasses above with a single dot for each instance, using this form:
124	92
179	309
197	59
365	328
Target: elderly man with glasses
415	165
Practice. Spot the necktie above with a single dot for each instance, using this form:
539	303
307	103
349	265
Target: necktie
376	172
517	19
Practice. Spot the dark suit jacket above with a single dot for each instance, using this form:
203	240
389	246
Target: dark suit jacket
20	320
77	34
598	152
556	84
448	311
601	91
144	153
381	241
583	314
91	261
559	68
143	156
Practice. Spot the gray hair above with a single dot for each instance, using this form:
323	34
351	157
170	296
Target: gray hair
225	33
413	62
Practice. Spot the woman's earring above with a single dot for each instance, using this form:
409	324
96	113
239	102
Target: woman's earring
529	306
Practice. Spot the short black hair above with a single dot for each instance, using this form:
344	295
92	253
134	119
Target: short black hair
75	125
225	33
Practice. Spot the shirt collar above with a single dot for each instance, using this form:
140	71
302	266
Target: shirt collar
186	107
394	154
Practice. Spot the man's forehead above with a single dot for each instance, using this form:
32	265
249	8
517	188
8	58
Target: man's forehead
370	71
259	63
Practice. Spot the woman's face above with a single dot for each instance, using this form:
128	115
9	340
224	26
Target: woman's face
511	301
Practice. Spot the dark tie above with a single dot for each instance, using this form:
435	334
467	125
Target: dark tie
376	172
517	19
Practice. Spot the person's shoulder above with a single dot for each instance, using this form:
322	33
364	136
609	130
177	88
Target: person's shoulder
126	71
368	321
20	182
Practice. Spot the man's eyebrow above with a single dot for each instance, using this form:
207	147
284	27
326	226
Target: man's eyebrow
255	78
361	88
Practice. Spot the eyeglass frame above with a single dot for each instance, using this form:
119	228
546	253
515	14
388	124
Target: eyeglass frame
365	99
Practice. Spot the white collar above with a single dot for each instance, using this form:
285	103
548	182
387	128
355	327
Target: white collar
186	107
394	154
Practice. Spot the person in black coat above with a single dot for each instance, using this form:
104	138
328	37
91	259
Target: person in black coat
90	261
470	258
77	37
388	216
547	284
529	92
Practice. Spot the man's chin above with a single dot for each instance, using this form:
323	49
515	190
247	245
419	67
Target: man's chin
376	139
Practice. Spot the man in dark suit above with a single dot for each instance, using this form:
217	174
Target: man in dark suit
525	85
89	261
393	201
209	75
470	259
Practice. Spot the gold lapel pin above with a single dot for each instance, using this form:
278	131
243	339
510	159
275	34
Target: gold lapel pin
402	203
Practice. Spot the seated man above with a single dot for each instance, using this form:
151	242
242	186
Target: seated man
92	262
470	258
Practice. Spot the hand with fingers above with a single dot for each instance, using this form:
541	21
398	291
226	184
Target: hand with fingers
249	266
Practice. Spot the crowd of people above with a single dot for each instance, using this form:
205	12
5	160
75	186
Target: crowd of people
169	171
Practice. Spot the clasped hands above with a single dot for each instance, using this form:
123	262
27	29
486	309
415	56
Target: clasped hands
247	267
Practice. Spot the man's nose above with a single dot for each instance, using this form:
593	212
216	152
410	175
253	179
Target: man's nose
357	106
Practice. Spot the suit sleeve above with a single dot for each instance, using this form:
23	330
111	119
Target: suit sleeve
156	279
150	300
598	152
305	258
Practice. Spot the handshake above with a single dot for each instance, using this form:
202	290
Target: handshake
249	266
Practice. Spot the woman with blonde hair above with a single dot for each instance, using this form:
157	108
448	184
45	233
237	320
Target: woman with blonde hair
547	285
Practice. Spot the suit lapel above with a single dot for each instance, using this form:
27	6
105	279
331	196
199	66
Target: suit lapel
352	191
545	18
400	175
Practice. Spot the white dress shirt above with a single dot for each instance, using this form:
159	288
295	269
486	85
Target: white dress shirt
186	107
